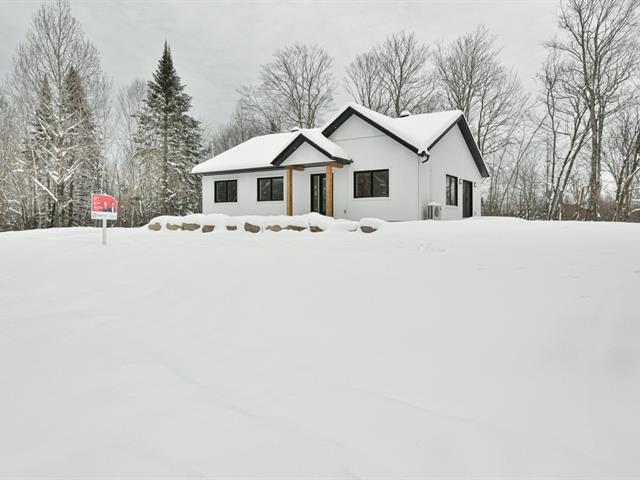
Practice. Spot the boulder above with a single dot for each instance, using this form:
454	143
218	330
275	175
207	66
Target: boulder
315	229
171	226
155	226
295	228
231	228
251	228
190	226
274	228
367	229
208	228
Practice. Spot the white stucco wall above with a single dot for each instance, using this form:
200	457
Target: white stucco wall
450	156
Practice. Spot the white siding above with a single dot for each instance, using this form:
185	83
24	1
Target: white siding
450	156
412	184
247	203
370	149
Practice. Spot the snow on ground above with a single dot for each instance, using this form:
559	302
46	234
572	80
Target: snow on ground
490	347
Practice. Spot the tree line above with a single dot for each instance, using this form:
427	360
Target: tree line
568	148
63	135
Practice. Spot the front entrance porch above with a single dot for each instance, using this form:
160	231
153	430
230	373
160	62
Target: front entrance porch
321	188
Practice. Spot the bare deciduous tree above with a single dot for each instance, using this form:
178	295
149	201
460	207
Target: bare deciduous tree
473	80
242	126
60	97
364	84
566	127
622	158
600	51
394	76
296	86
131	179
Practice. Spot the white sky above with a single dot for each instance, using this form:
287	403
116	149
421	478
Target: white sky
219	45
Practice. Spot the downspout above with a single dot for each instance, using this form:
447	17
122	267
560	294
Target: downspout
424	156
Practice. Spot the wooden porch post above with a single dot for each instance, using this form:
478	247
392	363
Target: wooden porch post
328	198
289	191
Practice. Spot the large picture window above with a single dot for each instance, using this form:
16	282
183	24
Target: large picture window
452	190
270	189
371	183
226	191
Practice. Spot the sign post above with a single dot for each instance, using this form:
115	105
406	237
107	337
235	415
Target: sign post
103	207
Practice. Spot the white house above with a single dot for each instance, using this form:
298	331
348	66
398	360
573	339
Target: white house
359	164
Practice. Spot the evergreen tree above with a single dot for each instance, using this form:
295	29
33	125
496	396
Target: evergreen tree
170	142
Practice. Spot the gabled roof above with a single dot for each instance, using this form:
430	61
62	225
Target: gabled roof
267	152
419	133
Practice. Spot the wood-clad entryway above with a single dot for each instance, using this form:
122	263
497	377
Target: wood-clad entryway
321	188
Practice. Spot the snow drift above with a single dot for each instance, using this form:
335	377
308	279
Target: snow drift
482	348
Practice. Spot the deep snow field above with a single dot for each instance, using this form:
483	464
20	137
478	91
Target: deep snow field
482	348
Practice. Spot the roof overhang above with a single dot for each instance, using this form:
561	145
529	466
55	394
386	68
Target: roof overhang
274	168
349	111
461	122
296	143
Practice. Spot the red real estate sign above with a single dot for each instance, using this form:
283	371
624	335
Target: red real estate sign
103	207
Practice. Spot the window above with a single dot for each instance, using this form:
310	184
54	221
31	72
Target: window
270	189
372	183
226	191
452	190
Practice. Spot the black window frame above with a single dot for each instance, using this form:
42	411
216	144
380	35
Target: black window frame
447	193
226	182
370	173
270	199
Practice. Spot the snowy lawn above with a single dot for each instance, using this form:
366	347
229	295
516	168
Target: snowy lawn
491	347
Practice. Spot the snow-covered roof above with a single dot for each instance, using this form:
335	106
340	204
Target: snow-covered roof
315	136
417	132
420	131
256	152
263	151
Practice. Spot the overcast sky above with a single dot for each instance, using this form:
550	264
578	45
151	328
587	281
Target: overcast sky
219	45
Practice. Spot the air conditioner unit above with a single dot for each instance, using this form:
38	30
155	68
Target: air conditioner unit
434	211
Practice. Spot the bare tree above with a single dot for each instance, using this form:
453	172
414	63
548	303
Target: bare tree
60	96
471	78
394	76
474	81
566	127
363	82
600	51
622	158
131	174
258	103
242	126
296	87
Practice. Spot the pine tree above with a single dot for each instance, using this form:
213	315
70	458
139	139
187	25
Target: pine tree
170	142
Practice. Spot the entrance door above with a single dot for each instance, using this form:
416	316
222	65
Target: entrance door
318	192
467	199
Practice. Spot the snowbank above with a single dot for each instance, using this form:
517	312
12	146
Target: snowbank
312	222
481	349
